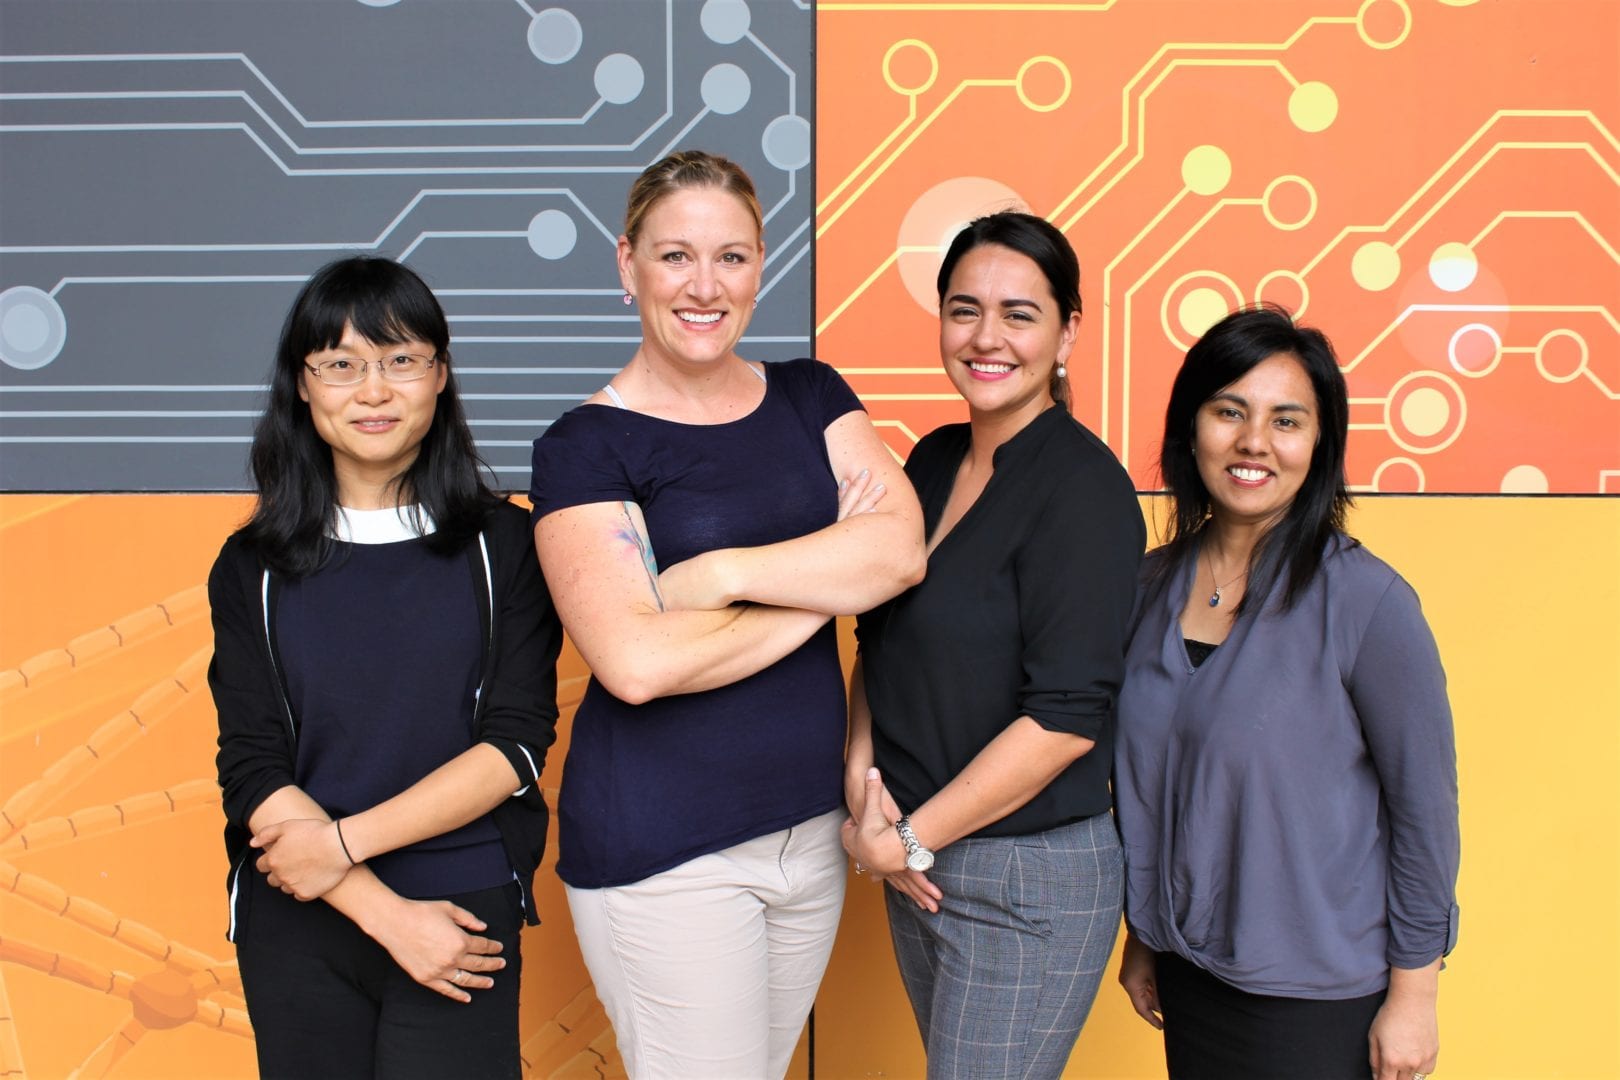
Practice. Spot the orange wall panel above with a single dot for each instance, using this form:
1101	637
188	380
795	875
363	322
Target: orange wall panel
1436	183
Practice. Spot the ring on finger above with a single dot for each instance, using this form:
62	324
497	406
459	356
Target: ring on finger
459	975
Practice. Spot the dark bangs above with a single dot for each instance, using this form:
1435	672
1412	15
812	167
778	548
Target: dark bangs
387	304
384	302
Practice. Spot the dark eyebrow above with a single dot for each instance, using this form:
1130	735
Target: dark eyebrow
1238	399
1014	302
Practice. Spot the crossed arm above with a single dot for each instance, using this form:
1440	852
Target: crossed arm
648	634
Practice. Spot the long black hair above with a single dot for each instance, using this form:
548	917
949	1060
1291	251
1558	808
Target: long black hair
386	304
1228	351
1041	243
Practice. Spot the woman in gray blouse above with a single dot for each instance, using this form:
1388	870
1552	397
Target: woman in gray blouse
1285	775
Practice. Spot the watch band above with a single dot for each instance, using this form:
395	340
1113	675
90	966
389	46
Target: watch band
917	856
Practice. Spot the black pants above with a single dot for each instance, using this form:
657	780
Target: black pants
328	1001
1214	1031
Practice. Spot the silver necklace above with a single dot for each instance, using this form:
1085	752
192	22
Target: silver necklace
1215	597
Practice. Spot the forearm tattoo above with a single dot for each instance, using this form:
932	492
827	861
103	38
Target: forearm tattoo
631	534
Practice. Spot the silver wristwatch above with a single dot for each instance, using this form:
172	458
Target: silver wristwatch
917	856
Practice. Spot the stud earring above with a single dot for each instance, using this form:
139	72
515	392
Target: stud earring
628	299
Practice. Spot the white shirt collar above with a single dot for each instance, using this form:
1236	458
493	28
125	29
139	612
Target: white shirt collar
387	526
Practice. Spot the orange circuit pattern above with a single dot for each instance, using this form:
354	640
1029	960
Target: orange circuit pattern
113	957
1434	183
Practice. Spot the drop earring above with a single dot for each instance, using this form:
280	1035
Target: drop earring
628	299
1063	371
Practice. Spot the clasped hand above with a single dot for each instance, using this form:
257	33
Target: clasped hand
429	939
870	838
302	857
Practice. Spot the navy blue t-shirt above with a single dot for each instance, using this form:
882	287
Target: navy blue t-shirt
648	787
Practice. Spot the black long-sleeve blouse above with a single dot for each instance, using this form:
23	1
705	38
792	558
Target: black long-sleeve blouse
1023	613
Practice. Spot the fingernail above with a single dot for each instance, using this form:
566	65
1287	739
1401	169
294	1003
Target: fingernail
842	484
872	773
865	472
880	487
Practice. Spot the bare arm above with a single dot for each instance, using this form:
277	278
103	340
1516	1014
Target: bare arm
429	939
858	752
1012	769
846	568
1138	974
872	809
307	855
1405	1035
598	565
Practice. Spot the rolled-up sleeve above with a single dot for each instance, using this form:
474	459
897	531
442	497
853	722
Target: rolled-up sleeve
1398	688
1076	585
520	713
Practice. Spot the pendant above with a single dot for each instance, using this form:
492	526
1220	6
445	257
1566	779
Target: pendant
1215	598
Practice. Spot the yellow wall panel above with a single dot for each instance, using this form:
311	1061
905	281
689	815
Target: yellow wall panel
1524	598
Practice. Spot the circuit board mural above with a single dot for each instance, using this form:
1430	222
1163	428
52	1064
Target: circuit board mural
172	171
1434	183
113	958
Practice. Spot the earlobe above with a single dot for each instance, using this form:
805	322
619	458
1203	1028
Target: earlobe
627	277
1071	334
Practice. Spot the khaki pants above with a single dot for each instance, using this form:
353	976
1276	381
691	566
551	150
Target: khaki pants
710	968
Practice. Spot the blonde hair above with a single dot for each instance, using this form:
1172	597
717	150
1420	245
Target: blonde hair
682	170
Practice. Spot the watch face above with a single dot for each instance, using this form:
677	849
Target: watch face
921	859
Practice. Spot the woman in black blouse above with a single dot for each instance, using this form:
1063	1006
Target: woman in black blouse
982	707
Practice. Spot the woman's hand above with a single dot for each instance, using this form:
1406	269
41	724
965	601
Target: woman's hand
1138	975
429	939
706	582
855	797
872	842
302	856
859	494
1405	1035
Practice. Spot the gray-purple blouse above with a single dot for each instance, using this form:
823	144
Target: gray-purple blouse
1289	807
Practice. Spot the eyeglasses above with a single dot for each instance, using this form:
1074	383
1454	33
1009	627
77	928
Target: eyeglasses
344	371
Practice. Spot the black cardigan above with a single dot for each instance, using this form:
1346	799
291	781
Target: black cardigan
517	702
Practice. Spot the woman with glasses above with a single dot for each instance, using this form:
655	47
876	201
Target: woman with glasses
384	672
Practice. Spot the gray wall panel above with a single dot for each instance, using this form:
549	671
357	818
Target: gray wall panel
171	171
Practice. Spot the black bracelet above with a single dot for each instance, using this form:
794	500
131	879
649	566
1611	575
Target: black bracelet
338	825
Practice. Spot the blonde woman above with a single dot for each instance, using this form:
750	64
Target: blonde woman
700	521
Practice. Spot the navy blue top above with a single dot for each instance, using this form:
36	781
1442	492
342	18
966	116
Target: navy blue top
381	649
1289	807
648	787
